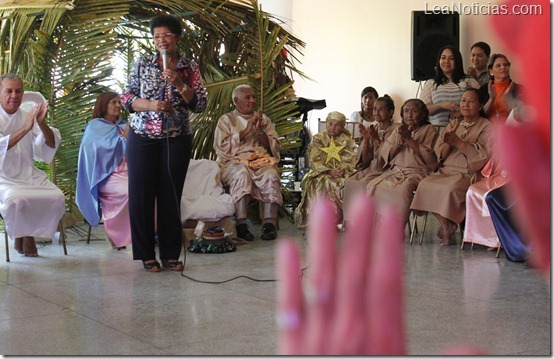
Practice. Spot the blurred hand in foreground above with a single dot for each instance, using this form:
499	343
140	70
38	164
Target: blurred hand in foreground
354	300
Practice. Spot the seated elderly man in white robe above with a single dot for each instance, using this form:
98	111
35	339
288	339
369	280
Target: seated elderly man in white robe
30	204
247	148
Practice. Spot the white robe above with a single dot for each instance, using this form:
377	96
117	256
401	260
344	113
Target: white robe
30	204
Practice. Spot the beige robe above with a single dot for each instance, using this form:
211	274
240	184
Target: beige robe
406	169
369	165
263	183
444	192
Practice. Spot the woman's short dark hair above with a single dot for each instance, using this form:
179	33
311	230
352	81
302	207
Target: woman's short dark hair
457	75
170	21
387	100
421	108
369	89
365	91
483	46
480	98
477	92
101	104
495	57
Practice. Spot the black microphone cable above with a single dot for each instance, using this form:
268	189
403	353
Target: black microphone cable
178	204
177	200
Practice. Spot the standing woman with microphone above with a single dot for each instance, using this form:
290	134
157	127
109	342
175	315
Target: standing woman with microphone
161	89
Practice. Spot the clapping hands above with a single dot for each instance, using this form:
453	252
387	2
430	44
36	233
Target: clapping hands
405	132
472	71
255	122
369	133
452	139
38	113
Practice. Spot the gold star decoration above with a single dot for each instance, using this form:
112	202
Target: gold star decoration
333	151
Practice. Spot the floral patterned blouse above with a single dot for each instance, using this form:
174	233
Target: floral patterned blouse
146	82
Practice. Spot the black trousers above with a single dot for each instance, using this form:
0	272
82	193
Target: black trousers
157	169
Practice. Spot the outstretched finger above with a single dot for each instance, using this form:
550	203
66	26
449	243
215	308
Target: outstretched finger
322	237
289	299
385	287
350	331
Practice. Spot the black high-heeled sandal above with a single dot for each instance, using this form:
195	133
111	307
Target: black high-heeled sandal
173	265
152	266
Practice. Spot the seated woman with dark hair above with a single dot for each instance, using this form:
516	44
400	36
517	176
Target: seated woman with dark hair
462	151
365	115
331	155
408	154
102	171
478	225
368	162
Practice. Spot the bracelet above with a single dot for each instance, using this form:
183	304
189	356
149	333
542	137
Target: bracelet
183	90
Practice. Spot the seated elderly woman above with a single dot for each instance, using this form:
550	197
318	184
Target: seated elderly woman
408	154
102	171
478	226
462	150
331	156
368	162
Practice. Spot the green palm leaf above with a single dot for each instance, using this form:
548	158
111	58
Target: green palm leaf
67	50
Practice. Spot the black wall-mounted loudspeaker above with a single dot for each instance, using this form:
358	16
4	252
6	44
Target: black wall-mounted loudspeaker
430	32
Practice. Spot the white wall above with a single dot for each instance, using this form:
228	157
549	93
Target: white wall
280	8
352	44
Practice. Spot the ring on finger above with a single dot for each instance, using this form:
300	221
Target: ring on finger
317	296
289	319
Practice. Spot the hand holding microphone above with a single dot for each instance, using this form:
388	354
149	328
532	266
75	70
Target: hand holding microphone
167	73
171	75
160	106
163	52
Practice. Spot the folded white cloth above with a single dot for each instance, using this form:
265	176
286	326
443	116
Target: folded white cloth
203	197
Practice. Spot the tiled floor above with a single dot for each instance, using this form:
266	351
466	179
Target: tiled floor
98	301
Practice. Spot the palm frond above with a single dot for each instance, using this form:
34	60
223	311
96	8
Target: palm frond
67	50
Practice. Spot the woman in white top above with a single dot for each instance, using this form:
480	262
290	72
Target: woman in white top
442	94
365	115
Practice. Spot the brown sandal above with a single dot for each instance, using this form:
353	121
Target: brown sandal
152	266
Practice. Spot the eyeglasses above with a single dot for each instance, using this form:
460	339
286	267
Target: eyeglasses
165	35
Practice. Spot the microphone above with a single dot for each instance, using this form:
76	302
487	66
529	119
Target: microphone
163	52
